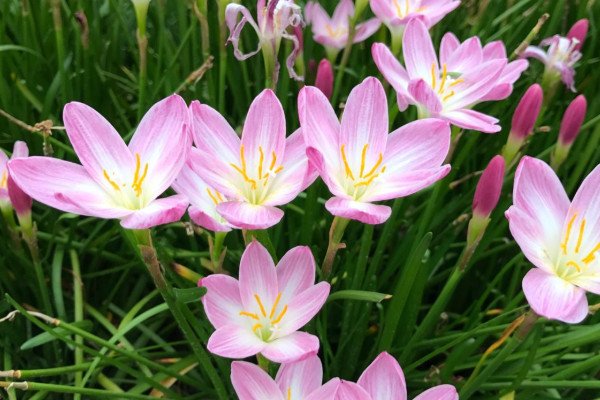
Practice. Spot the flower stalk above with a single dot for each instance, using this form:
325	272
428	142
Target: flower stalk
141	13
336	233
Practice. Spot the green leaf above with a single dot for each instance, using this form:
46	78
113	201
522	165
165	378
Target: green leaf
47	337
361	295
189	295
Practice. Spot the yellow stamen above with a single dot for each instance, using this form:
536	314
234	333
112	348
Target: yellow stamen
219	195
456	82
569	226
280	315
379	160
398	10
367	182
383	169
348	170
574	264
580	238
252	181
433	75
421	9
260	163
114	185
278	169
138	188
362	159
212	197
289	393
255	327
137	168
444	74
274	160
275	306
406	7
449	95
262	309
247	314
4	179
137	180
591	257
243	159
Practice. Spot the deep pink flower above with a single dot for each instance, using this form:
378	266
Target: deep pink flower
298	381
560	238
489	187
384	380
10	192
114	180
359	161
572	120
395	14
465	75
262	312
324	80
526	113
261	171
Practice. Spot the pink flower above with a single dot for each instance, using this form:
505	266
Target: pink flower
324	80
262	312
11	193
578	31
489	188
560	238
299	381
115	180
257	173
333	32
274	18
466	75
359	161
384	380
395	14
572	120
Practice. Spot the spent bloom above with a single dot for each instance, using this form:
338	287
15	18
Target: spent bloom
559	237
294	381
10	193
274	17
114	180
359	161
332	32
384	380
324	80
262	312
465	75
256	173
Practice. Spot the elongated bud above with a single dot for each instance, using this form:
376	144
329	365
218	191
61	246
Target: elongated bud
324	80
579	31
569	129
486	198
141	12
523	121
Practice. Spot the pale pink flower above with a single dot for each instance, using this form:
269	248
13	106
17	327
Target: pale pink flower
560	238
332	32
395	14
384	380
359	161
298	381
114	180
262	312
465	75
11	193
261	171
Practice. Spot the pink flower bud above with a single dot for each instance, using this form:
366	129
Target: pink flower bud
21	202
572	120
324	80
578	31
527	111
489	187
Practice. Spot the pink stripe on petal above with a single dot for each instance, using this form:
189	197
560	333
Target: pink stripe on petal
304	306
301	378
291	348
233	341
383	379
20	149
494	50
20	201
158	212
257	278
249	216
295	272
467	55
441	392
222	302
364	212
419	55
252	383
216	174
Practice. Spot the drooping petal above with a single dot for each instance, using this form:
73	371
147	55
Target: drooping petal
162	140
252	383
535	52
249	216
383	379
291	348
390	68
303	307
235	28
158	212
441	392
360	211
554	298
222	302
300	378
295	272
419	54
351	391
471	119
234	341
422	92
325	392
258	279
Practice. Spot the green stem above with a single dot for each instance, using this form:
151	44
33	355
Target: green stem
269	57
345	57
78	297
397	41
217	253
338	227
53	388
30	239
60	49
222	55
142	40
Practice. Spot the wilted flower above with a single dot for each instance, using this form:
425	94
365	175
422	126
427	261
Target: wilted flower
560	238
324	80
569	129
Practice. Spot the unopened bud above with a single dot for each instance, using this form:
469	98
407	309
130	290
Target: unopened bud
579	31
324	80
486	198
569	129
141	12
523	121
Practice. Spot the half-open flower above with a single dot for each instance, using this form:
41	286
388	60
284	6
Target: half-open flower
359	161
384	380
294	381
114	180
10	193
561	238
262	312
257	173
447	89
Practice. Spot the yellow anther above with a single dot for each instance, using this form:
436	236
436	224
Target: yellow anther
212	197
569	226
348	170
421	9
574	264
278	169
273	161
137	179
456	82
372	171
252	181
398	9
591	257
247	314
219	195
580	238
243	159
362	159
262	309
260	163
407	8
275	306
433	75
448	95
255	327
383	169
113	184
289	393
4	180
367	182
280	315
444	75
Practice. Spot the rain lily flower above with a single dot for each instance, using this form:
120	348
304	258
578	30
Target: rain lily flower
298	381
332	32
384	380
262	312
274	18
569	129
324	80
11	194
257	173
560	238
114	180
359	161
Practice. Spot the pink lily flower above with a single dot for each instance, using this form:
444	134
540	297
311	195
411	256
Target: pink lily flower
464	76
262	312
559	237
114	180
395	14
10	193
274	18
257	173
384	380
298	381
359	161
332	32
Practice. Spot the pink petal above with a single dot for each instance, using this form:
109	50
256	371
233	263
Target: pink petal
513	70
222	302
554	298
364	212
20	201
470	119
216	174
158	212
366	29
318	162
467	55
494	50
390	68
419	55
257	279
437	10
578	31
63	185
291	348
213	134
324	79
343	10
20	149
252	383
97	144
498	92
235	28
441	392
535	52
295	272
316	15
448	45
301	378
383	9
233	341
303	307
162	140
423	93
384	379
249	216
404	183
325	392
478	83
351	391
206	221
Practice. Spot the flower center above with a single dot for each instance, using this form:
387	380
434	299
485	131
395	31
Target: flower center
406	8
360	183
447	82
337	33
573	263
255	187
129	196
266	327
3	182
